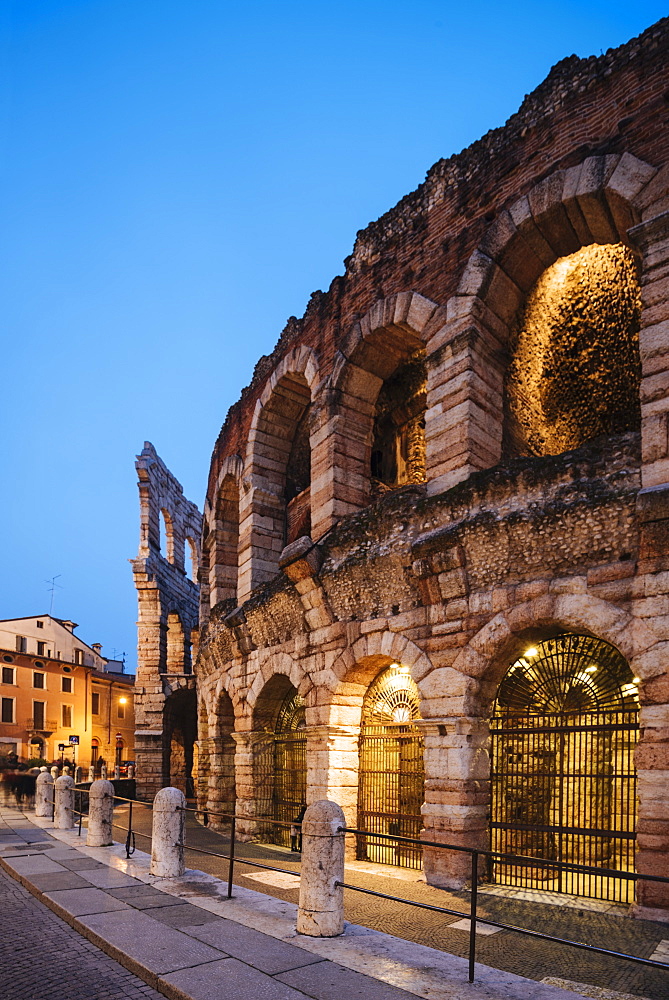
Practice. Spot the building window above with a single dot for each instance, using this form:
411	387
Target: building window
8	675
8	659
7	710
95	752
40	624
38	679
95	703
38	714
66	684
67	716
78	656
120	711
21	644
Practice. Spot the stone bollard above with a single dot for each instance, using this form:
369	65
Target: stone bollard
44	768
321	904
131	771
64	815
66	769
117	773
78	775
54	772
44	794
103	772
167	835
100	814
91	774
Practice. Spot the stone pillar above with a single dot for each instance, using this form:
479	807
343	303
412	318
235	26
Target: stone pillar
652	764
332	770
167	836
652	238
44	795
457	795
117	773
54	772
64	812
103	772
321	903
78	775
149	757
131	771
91	773
254	790
100	814
220	773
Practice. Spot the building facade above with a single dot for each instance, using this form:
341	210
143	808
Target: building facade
54	686
434	571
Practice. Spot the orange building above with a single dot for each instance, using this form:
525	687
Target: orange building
57	691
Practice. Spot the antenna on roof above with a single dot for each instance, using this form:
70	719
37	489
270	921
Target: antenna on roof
52	588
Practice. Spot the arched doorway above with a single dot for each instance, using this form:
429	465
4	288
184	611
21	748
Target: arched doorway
391	777
563	731
280	767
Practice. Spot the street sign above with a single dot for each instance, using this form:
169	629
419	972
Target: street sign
74	741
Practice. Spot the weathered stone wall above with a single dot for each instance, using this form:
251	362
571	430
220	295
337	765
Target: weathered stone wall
168	620
454	576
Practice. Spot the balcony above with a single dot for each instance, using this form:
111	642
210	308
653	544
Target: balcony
48	726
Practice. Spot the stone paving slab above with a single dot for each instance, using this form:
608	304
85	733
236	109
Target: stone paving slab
107	878
151	946
35	864
144	897
227	978
257	949
328	981
80	902
183	915
59	880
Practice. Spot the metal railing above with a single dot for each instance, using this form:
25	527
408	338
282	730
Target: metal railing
475	855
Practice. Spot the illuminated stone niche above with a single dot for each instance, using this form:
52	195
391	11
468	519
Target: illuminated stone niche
398	449
575	370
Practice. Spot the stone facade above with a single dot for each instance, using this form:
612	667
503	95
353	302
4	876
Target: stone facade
479	541
170	530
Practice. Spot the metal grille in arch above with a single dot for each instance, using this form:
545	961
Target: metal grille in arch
290	764
391	779
564	728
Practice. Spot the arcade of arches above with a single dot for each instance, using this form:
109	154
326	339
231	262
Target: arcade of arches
434	579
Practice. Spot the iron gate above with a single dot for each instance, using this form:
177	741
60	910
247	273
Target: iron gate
290	766
563	782
391	777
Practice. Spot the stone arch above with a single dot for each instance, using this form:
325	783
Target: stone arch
167	535
180	724
178	646
596	201
219	558
276	501
392	333
221	783
280	665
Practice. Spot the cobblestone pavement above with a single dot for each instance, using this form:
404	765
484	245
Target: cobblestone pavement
43	958
506	950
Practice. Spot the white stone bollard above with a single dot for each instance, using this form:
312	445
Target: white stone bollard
91	773
117	773
131	771
64	815
44	768
44	794
167	834
54	772
103	772
78	775
321	904
100	814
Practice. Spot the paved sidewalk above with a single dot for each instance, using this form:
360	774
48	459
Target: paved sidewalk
184	939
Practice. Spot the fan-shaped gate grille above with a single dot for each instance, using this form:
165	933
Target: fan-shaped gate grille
563	781
392	780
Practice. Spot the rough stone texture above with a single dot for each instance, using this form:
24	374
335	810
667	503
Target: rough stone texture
44	792
321	909
165	715
100	814
63	818
450	577
167	835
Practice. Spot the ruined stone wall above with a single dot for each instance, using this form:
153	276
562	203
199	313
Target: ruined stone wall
168	612
453	576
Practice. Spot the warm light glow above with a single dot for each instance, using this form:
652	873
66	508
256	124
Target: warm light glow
532	651
636	680
404	670
123	701
590	670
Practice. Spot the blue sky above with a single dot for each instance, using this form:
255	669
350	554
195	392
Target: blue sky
177	178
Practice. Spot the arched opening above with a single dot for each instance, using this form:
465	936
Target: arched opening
178	649
281	763
575	370
223	543
37	748
222	759
398	445
179	736
192	559
298	481
95	753
391	776
166	535
563	784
